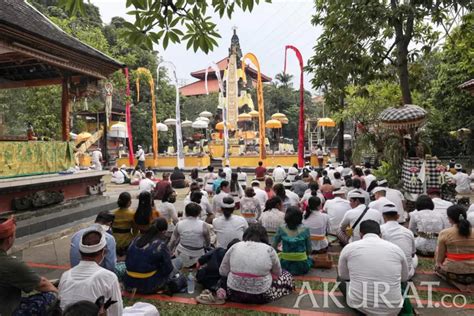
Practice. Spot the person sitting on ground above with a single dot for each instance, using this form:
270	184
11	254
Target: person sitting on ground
318	224
149	263
269	187
137	176
357	214
380	199
178	179
296	243
337	183
206	210
397	198
455	249
279	174
229	226
256	278
400	236
250	206
16	278
195	187
123	223
357	185
168	211
321	177
336	209
117	176
163	187
359	175
236	190
260	194
462	181
440	205
209	179
299	186
104	221
368	178
370	261
260	172
88	280
327	188
145	213
194	175
217	200
313	190
272	216
292	172
147	184
217	183
242	178
208	268
287	197
190	236
426	225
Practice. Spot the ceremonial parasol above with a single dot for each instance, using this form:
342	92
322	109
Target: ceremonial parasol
199	125
82	137
278	116
205	114
161	127
407	116
186	123
118	130
220	126
326	122
273	124
284	121
170	121
203	118
244	117
254	114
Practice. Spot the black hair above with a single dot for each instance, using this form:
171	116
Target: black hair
257	233
324	173
194	173
192	210
299	177
358	171
196	197
156	230
260	163
224	183
360	200
293	217
280	191
313	205
313	186
295	165
268	182
234	183
458	215
337	175
143	212
210	168
356	183
349	183
91	238
81	308
272	203
239	169
424	202
326	180
149	174
166	196
227	211
369	227
105	217
194	187
124	199
249	192
367	172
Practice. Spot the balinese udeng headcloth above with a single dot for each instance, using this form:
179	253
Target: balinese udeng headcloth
94	248
7	228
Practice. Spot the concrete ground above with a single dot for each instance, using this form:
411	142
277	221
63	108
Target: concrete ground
51	259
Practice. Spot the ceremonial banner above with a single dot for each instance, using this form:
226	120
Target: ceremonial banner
232	92
30	158
128	117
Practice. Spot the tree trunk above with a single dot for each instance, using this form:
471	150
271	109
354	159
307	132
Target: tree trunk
340	143
402	65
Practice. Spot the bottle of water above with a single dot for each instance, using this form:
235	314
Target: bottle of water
190	283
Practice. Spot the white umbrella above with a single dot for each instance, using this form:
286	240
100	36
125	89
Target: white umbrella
205	114
73	135
161	127
202	118
347	137
170	121
186	123
199	124
118	130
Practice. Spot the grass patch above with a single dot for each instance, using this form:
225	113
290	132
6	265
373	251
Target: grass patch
425	264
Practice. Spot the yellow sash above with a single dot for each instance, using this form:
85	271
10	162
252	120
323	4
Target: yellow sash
139	275
293	256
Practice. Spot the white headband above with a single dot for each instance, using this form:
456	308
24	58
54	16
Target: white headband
224	205
93	248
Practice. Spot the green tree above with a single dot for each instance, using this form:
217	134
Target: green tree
172	21
284	79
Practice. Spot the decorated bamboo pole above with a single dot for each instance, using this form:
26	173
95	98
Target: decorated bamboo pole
145	72
128	117
301	118
261	111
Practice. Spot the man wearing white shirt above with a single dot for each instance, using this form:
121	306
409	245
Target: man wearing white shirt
228	172
462	181
356	200
140	155
356	183
440	205
218	198
292	172
147	184
260	194
294	199
88	281
331	172
397	198
399	235
373	270
369	177
336	209
470	214
279	174
380	199
96	159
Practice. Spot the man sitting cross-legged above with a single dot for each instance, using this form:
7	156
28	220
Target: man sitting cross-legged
88	280
16	277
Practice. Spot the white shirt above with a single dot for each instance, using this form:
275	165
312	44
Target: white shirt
337	183
217	202
272	219
242	178
146	185
168	211
293	197
336	209
318	224
463	183
229	229
228	173
307	195
380	203
368	179
96	156
370	263
395	233
279	174
470	214
292	173
331	173
397	198
426	221
352	215
140	154
117	177
88	281
261	196
441	206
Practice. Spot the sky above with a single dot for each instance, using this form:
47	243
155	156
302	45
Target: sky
265	32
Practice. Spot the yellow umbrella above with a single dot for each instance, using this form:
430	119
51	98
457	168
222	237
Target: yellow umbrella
220	126
284	121
244	117
278	116
327	122
273	124
82	137
253	114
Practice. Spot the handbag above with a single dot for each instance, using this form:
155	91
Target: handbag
345	236
176	284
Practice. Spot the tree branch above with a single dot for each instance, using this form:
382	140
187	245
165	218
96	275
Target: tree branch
386	54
